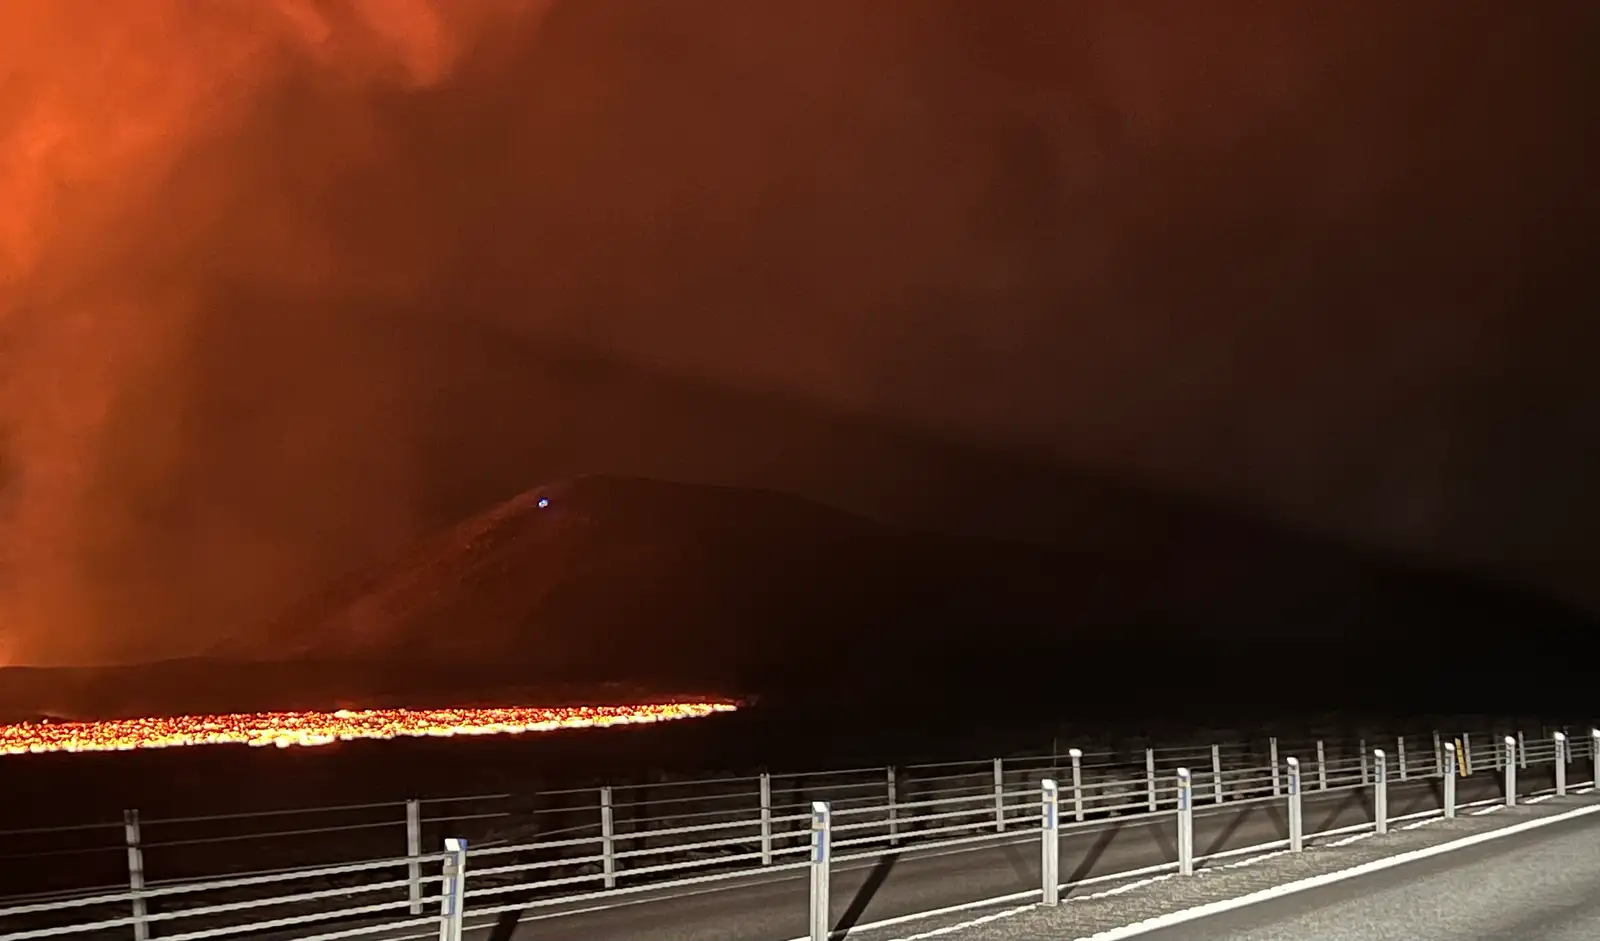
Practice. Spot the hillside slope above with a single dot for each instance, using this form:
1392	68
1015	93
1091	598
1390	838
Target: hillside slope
621	588
675	585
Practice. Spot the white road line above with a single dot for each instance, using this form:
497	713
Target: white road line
1248	862
1036	893
1317	882
997	916
951	929
1352	839
1488	810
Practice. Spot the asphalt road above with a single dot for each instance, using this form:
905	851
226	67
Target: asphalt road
774	908
1543	885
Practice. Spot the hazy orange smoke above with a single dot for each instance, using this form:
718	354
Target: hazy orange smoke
99	103
286	729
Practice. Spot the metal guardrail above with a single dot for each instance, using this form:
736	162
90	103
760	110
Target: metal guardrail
954	804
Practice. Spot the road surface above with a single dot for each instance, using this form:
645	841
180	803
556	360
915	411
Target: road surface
1543	885
773	908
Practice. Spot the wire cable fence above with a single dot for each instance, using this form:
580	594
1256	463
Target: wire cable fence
587	846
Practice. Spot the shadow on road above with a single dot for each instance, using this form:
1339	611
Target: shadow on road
1357	798
863	897
1228	831
1087	863
505	926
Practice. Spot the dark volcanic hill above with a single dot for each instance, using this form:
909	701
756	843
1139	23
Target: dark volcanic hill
613	577
623	588
678	586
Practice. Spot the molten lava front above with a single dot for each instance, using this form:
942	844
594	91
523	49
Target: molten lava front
285	729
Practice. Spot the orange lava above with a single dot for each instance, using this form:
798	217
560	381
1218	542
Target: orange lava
285	729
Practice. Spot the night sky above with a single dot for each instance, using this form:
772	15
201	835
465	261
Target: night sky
263	266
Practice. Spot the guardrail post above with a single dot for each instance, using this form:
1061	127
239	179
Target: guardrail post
453	890
1297	839
892	783
414	852
999	795
1450	781
1272	756
1438	755
821	855
1216	774
1185	823
608	838
1522	751
1466	754
1511	771
766	816
1050	850
1076	755
1361	748
130	832
1150	777
1561	764
1400	754
1380	793
1322	767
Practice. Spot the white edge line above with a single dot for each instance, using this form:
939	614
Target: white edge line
1253	852
1316	882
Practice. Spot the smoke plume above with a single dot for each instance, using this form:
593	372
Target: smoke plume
112	243
276	278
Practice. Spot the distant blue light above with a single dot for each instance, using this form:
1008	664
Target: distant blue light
544	502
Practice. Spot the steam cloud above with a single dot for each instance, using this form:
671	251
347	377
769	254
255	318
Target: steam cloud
1285	257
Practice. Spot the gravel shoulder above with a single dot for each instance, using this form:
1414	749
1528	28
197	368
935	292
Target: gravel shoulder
1091	910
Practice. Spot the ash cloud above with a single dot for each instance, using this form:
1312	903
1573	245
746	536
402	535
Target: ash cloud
1320	262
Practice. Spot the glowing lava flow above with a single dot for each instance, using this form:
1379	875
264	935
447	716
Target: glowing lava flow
285	729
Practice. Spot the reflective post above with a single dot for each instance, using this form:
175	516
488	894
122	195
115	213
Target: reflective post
1050	846
1450	780
1322	767
414	853
1561	764
1594	758
1361	749
1216	774
821	853
1185	823
999	795
1466	754
1296	822
1150	776
453	891
1380	792
1076	755
893	782
1400	754
1438	754
608	839
1272	758
1522	751
130	832
766	818
1511	771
